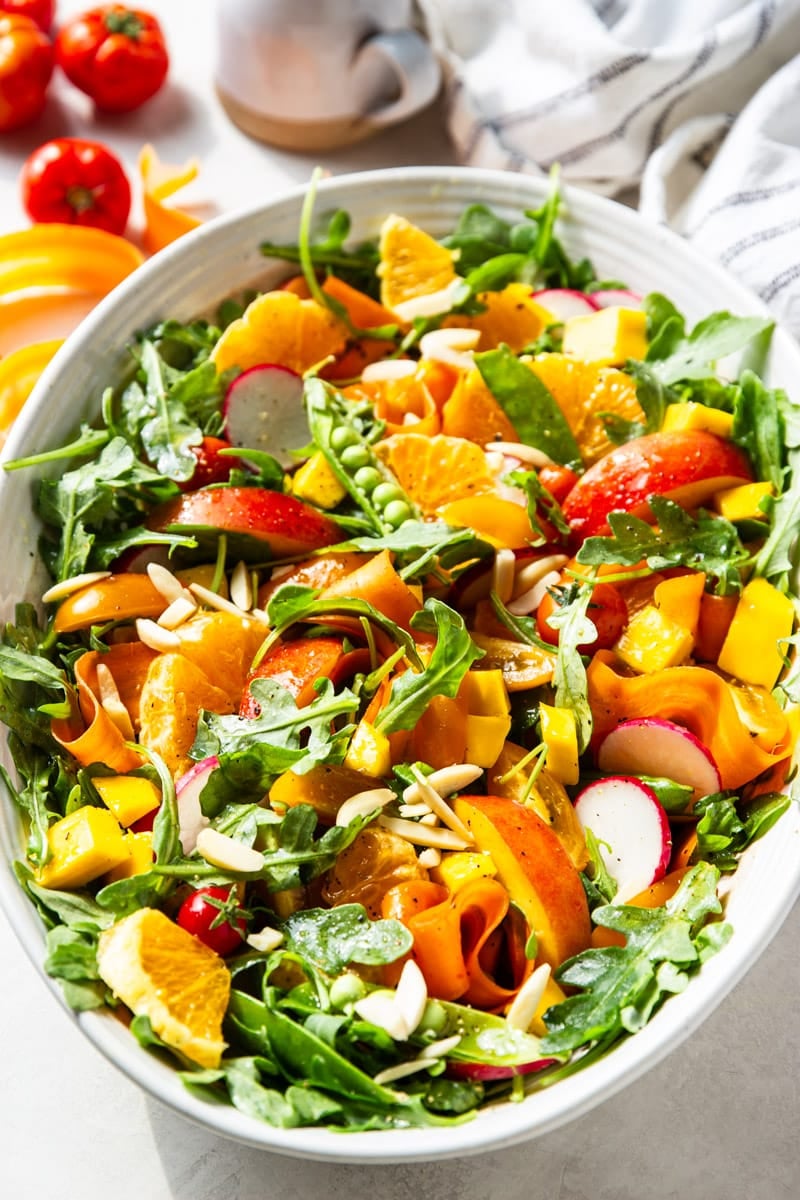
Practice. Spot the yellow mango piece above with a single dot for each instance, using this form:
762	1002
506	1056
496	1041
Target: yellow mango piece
316	483
560	736
697	416
679	598
653	641
139	860
750	651
485	693
462	867
610	336
741	503
128	796
501	522
86	843
486	737
551	995
369	751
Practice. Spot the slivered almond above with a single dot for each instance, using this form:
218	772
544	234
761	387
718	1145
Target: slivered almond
225	852
423	835
363	803
533	570
242	587
525	1003
428	795
411	811
380	1008
429	818
266	940
429	857
388	368
111	702
431	304
157	638
165	582
527	454
60	591
401	1070
177	612
454	347
503	574
529	601
447	780
411	994
438	1049
214	600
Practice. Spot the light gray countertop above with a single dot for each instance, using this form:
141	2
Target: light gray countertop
717	1120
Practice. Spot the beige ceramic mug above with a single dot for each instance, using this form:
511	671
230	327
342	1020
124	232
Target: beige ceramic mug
317	74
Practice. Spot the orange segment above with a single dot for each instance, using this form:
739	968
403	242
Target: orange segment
412	263
436	470
472	412
173	693
165	974
511	317
279	327
582	391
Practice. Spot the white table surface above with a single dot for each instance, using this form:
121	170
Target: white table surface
716	1121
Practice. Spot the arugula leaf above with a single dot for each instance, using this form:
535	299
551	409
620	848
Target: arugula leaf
758	428
621	986
653	398
541	504
529	406
675	357
722	834
334	938
569	677
453	655
356	266
706	543
426	541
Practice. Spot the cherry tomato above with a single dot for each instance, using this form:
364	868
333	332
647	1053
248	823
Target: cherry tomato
212	467
212	915
40	11
558	480
117	55
76	182
26	64
607	611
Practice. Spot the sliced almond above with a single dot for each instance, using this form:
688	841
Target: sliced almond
401	1070
242	587
527	454
431	304
429	818
214	600
454	347
225	852
266	940
380	1008
165	582
451	779
177	612
363	803
526	1002
388	368
529	601
503	574
429	795
429	857
533	570
438	1049
157	638
60	591
111	702
412	811
423	835
411	994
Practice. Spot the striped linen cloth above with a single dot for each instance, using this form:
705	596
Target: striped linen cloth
690	108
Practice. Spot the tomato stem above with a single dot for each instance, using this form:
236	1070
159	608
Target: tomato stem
125	22
80	199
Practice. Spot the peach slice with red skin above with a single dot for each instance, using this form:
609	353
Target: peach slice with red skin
282	524
535	869
686	466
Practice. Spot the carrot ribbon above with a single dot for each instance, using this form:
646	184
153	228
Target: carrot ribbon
89	734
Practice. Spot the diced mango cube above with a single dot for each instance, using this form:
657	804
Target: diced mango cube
369	751
485	693
86	843
462	867
502	523
486	737
610	336
560	736
751	651
679	599
741	503
652	641
128	796
316	482
692	415
139	860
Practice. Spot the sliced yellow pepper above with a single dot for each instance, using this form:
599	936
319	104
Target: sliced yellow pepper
19	372
163	224
74	257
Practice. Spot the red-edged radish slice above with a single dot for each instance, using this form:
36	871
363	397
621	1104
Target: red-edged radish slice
632	829
616	298
653	746
487	1073
264	411
187	791
564	303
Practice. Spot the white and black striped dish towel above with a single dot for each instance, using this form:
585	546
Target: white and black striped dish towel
690	106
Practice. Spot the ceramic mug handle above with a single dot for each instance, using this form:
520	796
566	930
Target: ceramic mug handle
409	60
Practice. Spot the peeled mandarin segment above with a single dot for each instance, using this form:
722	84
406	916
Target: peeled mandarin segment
436	470
165	974
164	224
584	390
511	317
19	372
472	412
412	263
173	694
76	257
278	327
374	862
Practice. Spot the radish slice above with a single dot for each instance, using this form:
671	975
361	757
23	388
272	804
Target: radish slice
187	791
486	1072
625	815
616	298
653	746
564	303
264	411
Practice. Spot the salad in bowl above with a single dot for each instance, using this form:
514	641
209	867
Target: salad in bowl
410	668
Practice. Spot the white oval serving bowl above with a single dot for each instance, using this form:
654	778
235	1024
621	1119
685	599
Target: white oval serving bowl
191	277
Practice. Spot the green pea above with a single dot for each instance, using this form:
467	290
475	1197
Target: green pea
347	989
343	436
355	456
396	513
367	479
385	493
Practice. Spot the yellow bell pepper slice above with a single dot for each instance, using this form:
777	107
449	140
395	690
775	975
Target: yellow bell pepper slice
19	372
74	257
160	181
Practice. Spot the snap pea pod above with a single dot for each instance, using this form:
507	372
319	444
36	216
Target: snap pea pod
354	462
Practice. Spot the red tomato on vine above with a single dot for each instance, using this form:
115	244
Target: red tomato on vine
117	55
